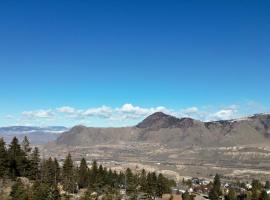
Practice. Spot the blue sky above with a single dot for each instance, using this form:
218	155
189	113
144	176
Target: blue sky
111	63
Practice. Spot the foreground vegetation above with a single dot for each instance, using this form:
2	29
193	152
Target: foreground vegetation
239	191
46	180
31	178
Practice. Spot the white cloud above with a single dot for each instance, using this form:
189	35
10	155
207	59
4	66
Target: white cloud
66	109
191	110
103	111
38	113
129	111
131	114
224	114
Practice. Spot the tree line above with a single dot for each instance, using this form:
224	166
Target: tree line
258	191
48	178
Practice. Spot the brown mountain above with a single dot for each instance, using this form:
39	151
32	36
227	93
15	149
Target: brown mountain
174	132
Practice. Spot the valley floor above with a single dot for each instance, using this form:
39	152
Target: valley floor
245	162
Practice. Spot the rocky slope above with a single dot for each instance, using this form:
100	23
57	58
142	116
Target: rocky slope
175	133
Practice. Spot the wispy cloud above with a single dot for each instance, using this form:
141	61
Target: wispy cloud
38	113
131	114
66	109
103	111
224	114
130	111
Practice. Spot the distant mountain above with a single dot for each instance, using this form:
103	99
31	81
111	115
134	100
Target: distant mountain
36	135
174	132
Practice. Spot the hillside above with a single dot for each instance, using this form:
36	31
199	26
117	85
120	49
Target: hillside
174	132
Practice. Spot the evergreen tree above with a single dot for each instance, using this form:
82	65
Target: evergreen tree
40	191
256	188
26	146
267	185
231	195
68	175
121	180
93	175
83	174
57	171
256	184
163	185
110	178
17	159
217	184
255	194
3	159
44	191
35	162
100	179
50	172
54	193
143	181
18	191
130	181
151	184
186	196
213	195
264	195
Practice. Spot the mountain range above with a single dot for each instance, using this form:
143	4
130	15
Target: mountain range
175	133
36	135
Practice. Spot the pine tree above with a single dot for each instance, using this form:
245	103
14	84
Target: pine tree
256	188
267	185
163	185
40	191
26	146
255	194
213	195
57	170
35	162
264	195
18	192
143	181
130	181
186	196
93	175
256	184
49	173
68	175
83	174
121	179
152	184
17	159
54	193
110	178
231	195
100	179
3	159
217	184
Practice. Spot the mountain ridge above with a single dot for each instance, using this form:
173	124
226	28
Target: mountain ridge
174	132
37	135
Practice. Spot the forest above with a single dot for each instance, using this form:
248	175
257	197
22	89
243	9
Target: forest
34	178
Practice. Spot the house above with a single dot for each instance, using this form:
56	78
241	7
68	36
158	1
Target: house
122	191
178	190
248	186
